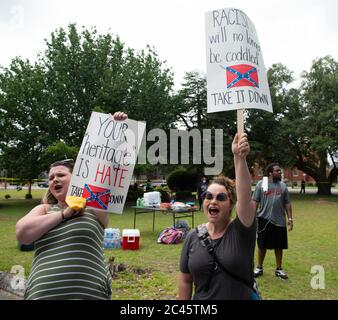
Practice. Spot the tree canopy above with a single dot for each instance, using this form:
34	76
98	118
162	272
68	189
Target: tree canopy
303	130
45	106
51	100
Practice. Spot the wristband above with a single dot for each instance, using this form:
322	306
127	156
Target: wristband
290	219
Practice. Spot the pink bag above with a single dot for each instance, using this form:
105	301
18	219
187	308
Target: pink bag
170	236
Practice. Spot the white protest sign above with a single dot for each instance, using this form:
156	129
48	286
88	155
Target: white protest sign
236	75
105	162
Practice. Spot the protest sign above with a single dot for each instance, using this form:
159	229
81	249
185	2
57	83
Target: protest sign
105	162
236	75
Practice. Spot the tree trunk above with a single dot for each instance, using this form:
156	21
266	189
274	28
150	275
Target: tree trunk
318	173
324	188
30	187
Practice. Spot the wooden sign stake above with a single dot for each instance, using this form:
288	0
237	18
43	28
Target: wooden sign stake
240	122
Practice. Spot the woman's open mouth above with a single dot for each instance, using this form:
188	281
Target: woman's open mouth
58	187
213	211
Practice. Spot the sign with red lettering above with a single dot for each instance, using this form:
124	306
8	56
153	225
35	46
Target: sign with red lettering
96	197
236	75
105	162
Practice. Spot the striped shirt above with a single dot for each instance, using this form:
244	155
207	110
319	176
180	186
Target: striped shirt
69	262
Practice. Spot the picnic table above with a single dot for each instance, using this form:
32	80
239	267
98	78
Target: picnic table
176	215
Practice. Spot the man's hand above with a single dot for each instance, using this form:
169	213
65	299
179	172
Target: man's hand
240	147
290	225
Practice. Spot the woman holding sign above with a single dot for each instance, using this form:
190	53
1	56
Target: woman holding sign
69	261
217	257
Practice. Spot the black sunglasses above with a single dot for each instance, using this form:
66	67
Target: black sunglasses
219	197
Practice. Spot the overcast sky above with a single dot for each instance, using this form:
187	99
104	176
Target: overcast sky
292	32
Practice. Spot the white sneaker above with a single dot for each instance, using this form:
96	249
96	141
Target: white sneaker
258	272
281	274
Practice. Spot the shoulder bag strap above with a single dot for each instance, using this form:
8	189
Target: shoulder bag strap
205	241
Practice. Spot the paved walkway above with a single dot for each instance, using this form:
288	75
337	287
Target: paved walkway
334	191
4	295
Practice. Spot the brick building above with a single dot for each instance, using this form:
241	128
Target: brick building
291	176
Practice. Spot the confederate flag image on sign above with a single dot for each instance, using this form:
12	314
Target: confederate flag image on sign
241	75
96	197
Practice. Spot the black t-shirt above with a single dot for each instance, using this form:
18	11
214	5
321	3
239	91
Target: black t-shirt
235	251
202	187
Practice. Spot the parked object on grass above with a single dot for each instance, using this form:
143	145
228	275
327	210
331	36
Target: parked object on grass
183	226
130	239
26	247
112	238
170	235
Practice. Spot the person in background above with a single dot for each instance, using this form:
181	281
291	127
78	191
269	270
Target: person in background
68	261
201	188
271	206
218	264
134	186
302	186
148	187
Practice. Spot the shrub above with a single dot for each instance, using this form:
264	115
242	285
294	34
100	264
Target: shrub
165	196
183	196
7	196
28	196
133	195
182	180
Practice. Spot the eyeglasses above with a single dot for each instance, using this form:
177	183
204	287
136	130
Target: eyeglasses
219	197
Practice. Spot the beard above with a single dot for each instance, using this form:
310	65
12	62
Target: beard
276	179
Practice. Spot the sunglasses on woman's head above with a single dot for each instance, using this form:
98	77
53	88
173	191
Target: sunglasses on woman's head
219	197
62	162
67	161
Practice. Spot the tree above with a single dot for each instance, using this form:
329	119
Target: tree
51	100
22	107
302	131
58	151
148	96
191	112
265	129
85	70
316	136
192	101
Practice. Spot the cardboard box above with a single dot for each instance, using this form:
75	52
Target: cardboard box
130	239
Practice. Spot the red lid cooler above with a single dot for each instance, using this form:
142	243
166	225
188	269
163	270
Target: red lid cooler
130	239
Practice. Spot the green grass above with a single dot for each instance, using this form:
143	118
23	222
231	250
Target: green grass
152	271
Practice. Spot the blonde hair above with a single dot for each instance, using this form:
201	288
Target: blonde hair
229	185
48	198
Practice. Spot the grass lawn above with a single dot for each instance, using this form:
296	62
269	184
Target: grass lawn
152	271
